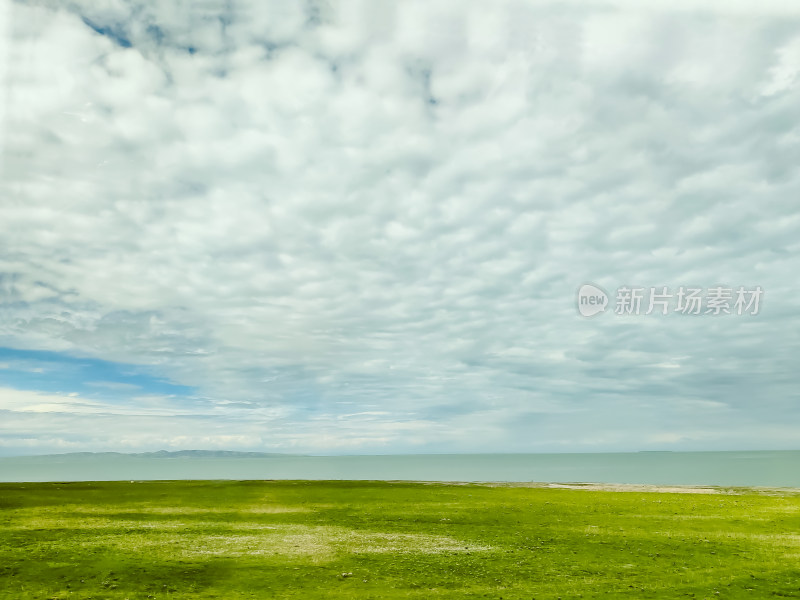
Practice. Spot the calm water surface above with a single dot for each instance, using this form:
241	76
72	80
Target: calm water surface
774	469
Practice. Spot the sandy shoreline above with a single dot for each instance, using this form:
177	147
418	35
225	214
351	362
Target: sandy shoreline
634	487
585	486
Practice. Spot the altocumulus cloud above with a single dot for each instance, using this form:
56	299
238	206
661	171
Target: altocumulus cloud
360	226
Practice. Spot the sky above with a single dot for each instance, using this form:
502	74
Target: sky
362	227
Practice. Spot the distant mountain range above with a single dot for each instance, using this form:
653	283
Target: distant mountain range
177	454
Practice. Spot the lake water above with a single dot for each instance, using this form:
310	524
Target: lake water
773	469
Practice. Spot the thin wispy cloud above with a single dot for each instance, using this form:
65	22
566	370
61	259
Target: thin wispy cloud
361	226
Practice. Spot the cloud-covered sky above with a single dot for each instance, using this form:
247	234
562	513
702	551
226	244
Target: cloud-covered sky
360	227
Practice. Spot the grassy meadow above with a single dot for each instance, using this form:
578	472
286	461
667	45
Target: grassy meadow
291	539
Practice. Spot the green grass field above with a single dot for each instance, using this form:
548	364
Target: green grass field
232	540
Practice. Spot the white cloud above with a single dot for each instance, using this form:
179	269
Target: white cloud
386	210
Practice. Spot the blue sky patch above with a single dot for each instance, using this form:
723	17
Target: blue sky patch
115	33
55	372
